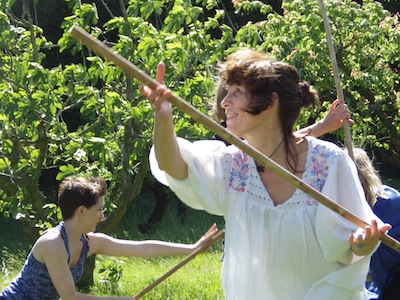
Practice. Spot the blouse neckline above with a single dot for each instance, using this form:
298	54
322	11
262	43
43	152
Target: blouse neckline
297	191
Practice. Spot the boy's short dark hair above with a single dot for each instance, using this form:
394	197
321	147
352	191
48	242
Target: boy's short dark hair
76	191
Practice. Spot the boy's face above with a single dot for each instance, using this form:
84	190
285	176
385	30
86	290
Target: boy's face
94	214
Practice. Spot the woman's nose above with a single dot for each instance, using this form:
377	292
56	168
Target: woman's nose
225	101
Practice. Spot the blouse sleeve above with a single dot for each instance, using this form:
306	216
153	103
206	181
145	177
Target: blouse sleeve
204	187
344	188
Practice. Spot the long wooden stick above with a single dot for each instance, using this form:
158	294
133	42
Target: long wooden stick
133	71
335	69
207	243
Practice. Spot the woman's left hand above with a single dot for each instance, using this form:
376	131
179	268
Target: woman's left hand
364	240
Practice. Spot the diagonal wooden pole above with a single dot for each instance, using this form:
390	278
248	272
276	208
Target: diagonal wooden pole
335	69
206	244
133	71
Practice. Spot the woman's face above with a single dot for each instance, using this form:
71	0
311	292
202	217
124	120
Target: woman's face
235	103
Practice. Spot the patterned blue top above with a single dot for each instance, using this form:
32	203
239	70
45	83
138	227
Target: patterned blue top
385	262
34	282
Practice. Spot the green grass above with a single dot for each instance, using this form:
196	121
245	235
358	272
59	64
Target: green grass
198	279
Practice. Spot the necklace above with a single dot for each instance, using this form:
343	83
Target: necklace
261	168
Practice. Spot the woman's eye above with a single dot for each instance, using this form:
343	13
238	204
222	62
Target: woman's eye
239	92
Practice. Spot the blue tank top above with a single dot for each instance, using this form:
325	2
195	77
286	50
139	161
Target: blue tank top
34	283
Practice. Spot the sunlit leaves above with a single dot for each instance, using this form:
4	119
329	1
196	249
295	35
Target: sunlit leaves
253	6
93	120
150	7
66	170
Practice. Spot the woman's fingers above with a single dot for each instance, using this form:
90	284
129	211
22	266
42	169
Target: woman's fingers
364	240
160	72
158	95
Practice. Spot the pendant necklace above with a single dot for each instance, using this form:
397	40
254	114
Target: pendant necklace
261	168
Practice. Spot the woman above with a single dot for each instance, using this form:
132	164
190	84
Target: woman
280	244
56	260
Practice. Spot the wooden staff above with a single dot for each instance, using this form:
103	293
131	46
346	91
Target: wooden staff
133	71
335	68
207	243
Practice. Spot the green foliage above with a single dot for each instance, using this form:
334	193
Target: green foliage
111	272
82	118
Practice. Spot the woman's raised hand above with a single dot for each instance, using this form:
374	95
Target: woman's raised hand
158	96
338	112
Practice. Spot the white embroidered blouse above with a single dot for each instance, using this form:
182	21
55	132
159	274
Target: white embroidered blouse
296	250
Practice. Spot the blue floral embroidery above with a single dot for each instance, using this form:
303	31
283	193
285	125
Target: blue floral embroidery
319	166
239	172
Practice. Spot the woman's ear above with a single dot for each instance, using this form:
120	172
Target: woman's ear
274	102
275	99
80	210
